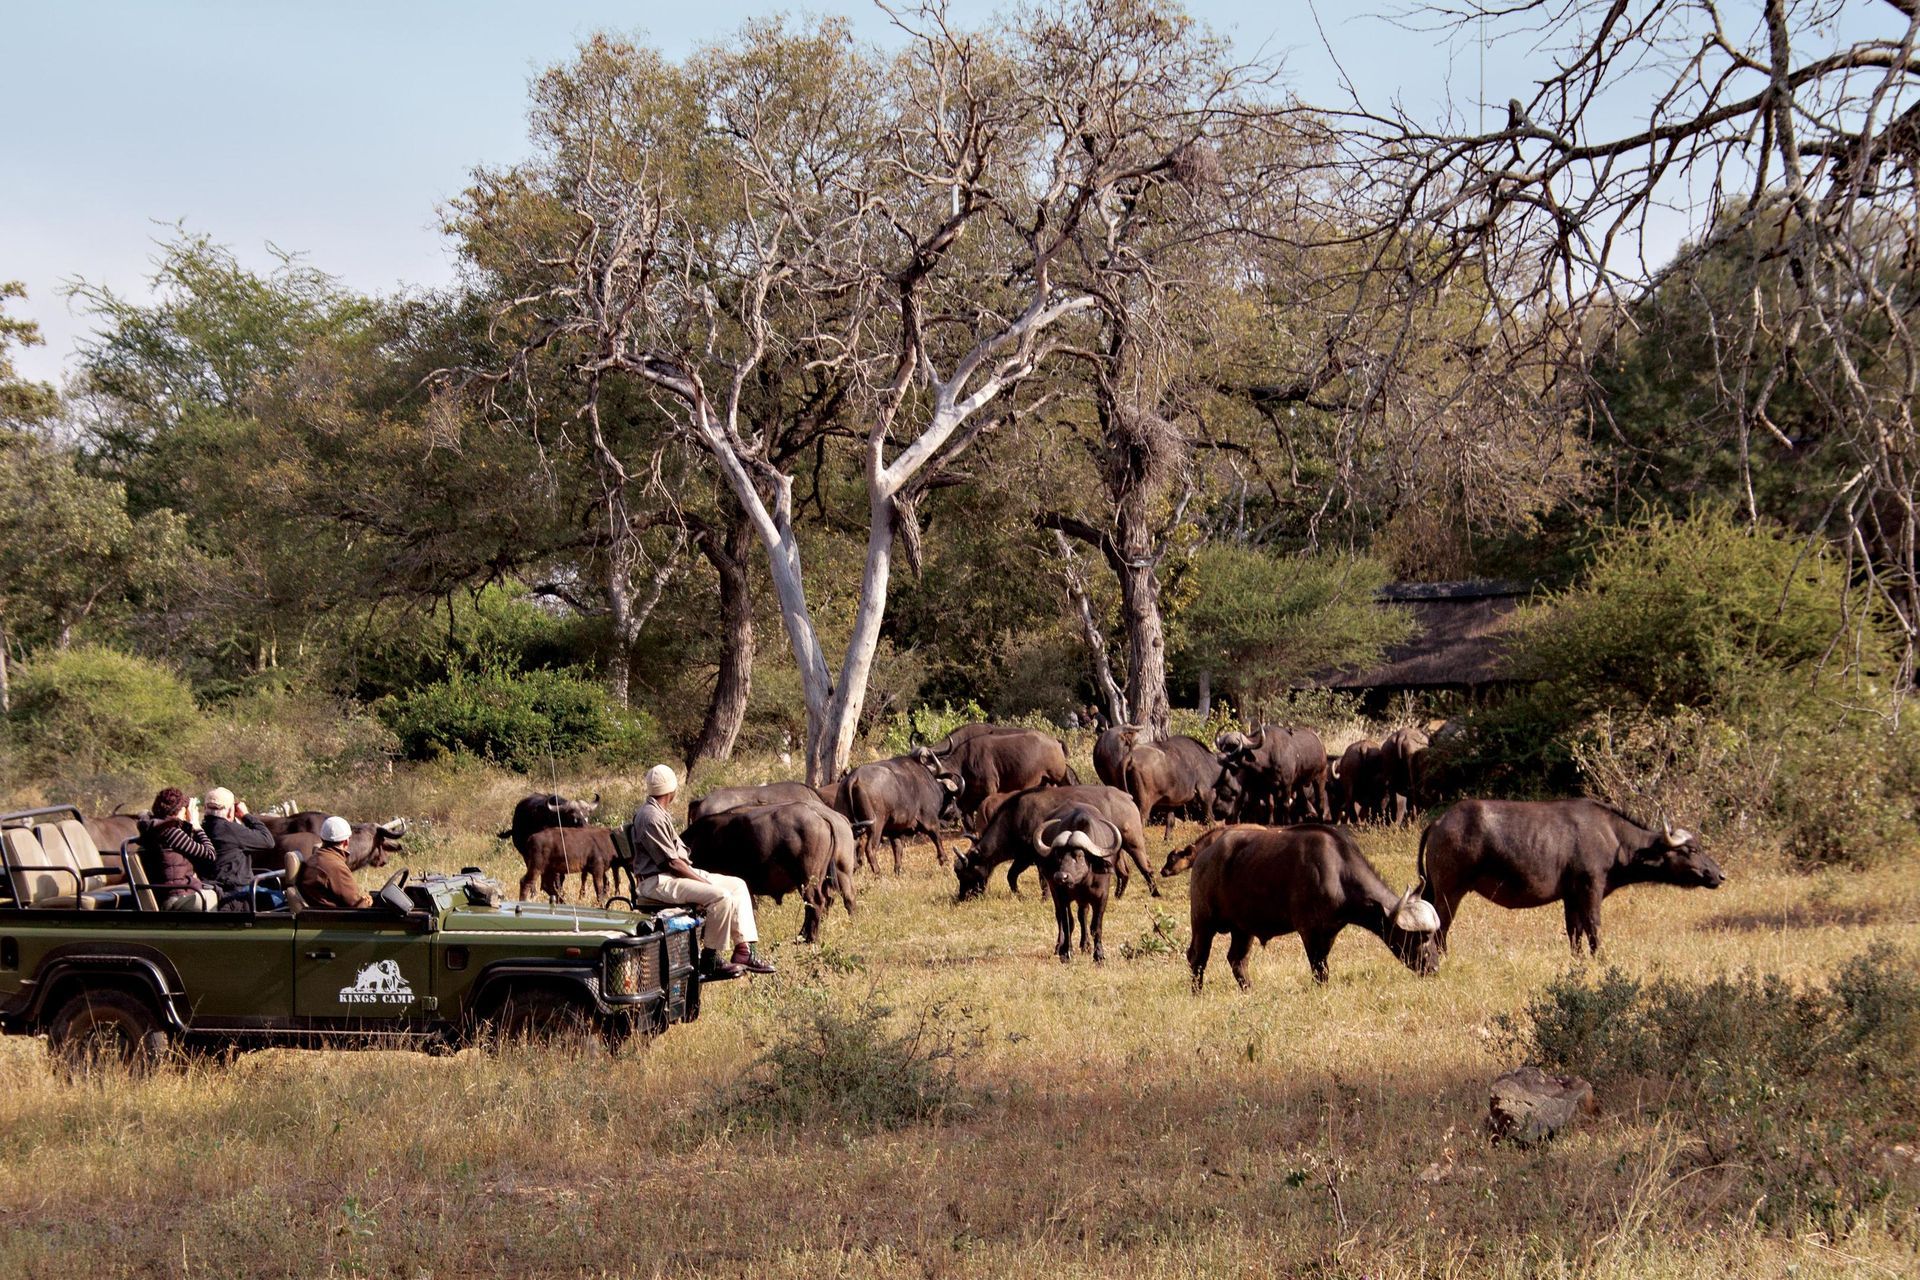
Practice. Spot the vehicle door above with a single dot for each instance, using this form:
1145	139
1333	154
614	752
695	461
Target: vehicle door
369	970
236	969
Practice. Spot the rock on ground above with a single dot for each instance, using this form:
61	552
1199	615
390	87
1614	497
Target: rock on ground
1527	1105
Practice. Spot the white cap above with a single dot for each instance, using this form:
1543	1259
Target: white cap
336	830
661	780
218	800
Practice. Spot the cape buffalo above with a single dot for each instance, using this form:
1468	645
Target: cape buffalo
1280	770
1078	867
1255	882
722	799
1528	853
1110	753
1162	782
893	798
545	809
1012	760
1403	757
554	853
368	846
1357	783
1011	833
779	849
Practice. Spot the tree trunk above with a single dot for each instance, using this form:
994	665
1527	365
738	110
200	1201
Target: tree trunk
733	682
1140	615
1206	693
6	686
829	755
629	615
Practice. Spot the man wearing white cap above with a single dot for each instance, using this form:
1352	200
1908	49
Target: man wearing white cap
326	881
663	871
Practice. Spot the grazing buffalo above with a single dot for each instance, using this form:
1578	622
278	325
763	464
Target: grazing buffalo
1357	783
1403	756
554	853
1011	833
893	798
779	849
724	798
1110	752
1528	853
1078	867
545	809
990	763
1254	882
1162	782
1280	770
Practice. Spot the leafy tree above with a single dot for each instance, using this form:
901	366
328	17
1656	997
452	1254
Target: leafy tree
1263	621
23	402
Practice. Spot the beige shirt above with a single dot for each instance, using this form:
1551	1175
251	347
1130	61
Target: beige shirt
655	842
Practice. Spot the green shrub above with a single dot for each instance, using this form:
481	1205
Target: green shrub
927	724
523	721
86	714
856	1067
1798	1089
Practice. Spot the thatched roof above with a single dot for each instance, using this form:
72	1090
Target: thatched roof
1459	639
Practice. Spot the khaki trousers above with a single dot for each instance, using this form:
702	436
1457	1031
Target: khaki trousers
192	900
729	906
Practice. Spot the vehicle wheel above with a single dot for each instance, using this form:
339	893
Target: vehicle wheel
539	1013
102	1027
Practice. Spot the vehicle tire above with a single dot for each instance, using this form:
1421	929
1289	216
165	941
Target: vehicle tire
107	1026
549	1016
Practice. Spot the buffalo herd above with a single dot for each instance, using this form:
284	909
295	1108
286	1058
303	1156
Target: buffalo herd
1274	857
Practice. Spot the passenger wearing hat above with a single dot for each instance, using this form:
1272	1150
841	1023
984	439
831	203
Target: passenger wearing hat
326	881
174	853
237	835
663	871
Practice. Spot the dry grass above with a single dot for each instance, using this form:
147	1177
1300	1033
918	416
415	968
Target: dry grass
1116	1125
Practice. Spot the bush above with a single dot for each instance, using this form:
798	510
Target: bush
83	715
856	1068
927	724
1800	1089
524	721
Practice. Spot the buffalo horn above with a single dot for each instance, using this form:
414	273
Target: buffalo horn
395	827
1042	840
1112	846
1415	915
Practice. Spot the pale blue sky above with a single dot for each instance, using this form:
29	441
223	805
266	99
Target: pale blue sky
336	128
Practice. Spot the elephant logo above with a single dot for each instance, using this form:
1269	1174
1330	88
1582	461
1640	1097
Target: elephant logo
379	983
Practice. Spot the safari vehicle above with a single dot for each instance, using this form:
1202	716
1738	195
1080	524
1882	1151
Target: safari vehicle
88	958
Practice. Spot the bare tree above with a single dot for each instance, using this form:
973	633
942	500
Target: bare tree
1790	137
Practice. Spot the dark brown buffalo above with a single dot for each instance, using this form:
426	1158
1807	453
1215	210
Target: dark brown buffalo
1160	782
368	846
545	809
554	853
724	798
1278	770
1011	833
1528	853
1078	867
893	798
779	849
112	831
1357	783
990	763
1110	751
1403	757
1256	882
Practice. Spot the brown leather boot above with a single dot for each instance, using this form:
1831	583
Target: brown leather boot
747	957
711	970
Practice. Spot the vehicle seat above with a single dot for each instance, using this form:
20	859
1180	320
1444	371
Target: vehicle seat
68	843
24	852
143	895
289	881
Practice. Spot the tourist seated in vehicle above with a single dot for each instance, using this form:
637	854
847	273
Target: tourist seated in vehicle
326	882
237	835
663	871
175	854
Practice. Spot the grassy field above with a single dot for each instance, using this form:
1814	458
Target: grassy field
1107	1123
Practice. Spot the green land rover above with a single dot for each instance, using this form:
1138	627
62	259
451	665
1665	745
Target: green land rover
88	959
